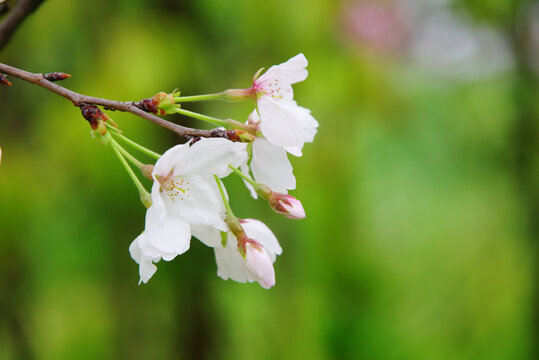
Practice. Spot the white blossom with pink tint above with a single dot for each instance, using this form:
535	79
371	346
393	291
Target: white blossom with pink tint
184	195
258	262
283	122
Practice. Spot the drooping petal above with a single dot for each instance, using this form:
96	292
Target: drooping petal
208	157
271	166
146	266
257	230
167	235
279	124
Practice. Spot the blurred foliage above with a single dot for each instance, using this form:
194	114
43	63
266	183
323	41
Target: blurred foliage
417	242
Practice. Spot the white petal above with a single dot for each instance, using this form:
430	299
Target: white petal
279	123
229	262
258	231
135	251
206	234
208	157
294	150
253	117
293	70
200	204
270	166
304	117
146	266
166	163
146	270
166	233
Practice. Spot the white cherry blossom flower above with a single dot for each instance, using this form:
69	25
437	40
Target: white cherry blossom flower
283	122
260	254
184	198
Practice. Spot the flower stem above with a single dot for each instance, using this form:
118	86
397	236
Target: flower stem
205	97
134	144
144	195
242	175
126	154
223	195
215	121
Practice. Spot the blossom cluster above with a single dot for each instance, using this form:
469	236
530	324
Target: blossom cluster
189	199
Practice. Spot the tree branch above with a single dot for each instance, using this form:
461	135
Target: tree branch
15	18
127	106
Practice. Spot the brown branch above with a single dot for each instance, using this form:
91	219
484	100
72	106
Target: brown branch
15	18
127	106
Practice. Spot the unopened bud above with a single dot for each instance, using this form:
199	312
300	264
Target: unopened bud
283	204
160	104
258	262
287	205
56	76
102	139
95	117
244	136
4	80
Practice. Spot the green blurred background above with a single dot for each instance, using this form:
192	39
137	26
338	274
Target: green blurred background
421	187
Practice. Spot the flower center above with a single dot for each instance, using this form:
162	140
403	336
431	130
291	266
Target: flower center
271	88
175	187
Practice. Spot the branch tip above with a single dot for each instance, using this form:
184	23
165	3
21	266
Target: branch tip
4	80
56	76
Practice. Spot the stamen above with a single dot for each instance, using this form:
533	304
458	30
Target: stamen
175	187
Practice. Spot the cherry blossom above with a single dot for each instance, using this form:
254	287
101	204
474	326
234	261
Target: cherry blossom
184	197
283	122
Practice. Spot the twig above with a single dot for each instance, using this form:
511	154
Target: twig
128	106
15	18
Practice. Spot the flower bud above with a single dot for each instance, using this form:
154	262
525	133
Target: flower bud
160	104
102	139
95	117
259	264
56	76
287	205
4	80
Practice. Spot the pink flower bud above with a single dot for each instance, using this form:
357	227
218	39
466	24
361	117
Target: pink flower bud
259	264
287	205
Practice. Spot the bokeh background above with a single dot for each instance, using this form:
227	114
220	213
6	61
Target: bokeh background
421	188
